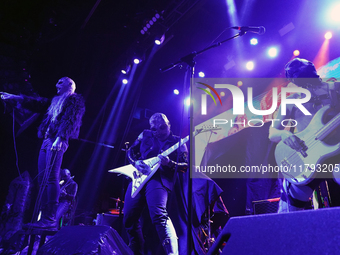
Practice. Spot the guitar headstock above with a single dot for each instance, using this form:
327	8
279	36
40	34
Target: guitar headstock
206	128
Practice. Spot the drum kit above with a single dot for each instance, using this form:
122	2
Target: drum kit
118	210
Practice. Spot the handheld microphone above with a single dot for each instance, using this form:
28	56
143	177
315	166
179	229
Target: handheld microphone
258	30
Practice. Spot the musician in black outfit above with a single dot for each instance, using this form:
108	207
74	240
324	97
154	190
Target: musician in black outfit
62	121
68	191
302	73
154	194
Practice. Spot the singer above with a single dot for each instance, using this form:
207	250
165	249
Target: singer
61	122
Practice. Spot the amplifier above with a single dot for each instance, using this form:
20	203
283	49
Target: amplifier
266	206
114	221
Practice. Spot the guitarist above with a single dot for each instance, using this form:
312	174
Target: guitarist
301	73
154	194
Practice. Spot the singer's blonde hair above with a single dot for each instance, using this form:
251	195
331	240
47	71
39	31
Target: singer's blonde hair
57	102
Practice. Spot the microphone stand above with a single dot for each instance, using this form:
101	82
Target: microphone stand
124	181
189	60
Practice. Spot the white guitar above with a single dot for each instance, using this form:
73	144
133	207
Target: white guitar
138	178
301	166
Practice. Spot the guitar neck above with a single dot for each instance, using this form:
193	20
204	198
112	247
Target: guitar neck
174	147
329	127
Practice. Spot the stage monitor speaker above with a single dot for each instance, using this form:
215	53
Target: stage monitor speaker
102	240
304	232
114	221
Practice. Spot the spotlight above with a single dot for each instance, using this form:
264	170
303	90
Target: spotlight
250	65
176	92
124	81
334	13
328	35
201	74
296	53
272	52
137	61
240	83
159	39
253	41
187	101
126	70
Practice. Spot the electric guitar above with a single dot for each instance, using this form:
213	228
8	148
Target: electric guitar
138	178
299	167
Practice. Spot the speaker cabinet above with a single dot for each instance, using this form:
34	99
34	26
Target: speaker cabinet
304	232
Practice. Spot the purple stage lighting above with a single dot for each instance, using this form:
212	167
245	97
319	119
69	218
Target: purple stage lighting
272	52
250	65
253	41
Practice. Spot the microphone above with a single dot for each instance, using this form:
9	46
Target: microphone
258	30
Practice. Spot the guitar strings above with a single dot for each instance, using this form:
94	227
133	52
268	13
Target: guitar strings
312	141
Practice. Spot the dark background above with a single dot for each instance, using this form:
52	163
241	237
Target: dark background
90	41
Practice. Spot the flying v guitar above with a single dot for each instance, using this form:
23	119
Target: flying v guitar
138	178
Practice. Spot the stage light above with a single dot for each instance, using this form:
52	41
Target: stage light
253	41
176	92
296	53
124	81
250	65
334	13
150	22
328	35
272	52
136	61
159	39
222	94
201	74
126	70
187	101
239	83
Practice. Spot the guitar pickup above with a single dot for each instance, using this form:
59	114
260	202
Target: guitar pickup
285	162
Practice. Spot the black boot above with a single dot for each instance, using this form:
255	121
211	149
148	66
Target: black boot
171	246
48	219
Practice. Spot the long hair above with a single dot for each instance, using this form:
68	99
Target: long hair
57	102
